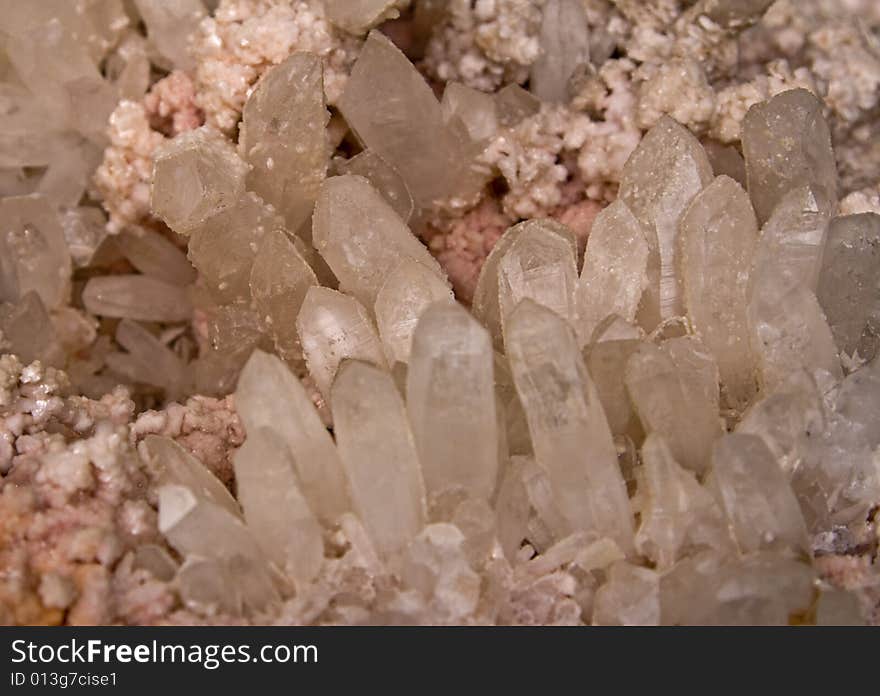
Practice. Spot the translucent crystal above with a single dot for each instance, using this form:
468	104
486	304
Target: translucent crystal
470	109
28	332
512	508
660	179
333	327
280	279
197	527
205	585
630	597
274	508
718	237
615	269
283	136
359	16
268	395
572	440
839	608
723	590
361	238
756	497
196	175
155	560
33	251
675	394
565	48
606	362
379	455
450	389
394	112
679	515
486	303
137	297
224	248
406	293
848	289
154	255
159	365
515	104
542	268
171	464
787	144
169	25
382	177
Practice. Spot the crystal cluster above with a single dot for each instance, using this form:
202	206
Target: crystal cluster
661	404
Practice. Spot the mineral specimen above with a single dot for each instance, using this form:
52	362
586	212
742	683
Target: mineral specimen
376	311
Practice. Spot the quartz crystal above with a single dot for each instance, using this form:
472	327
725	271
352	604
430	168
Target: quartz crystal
679	514
471	110
379	455
756	497
283	136
487	305
268	395
333	327
155	255
787	144
394	112
280	279
719	233
137	297
848	289
173	465
33	252
406	293
631	597
606	362
450	389
169	25
659	181
565	44
674	389
274	507
615	269
224	248
159	365
572	440
27	330
195	526
359	16
382	177
540	267
196	175
361	238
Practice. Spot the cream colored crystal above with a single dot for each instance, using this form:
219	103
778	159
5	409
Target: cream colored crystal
406	293
393	111
283	136
615	269
630	597
379	455
760	506
274	508
679	515
155	255
137	297
171	464
361	238
382	177
33	251
675	394
196	175
572	440
606	362
486	304
719	234
280	279
450	399
269	395
660	179
565	44
787	145
333	327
